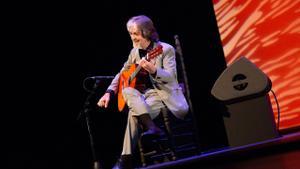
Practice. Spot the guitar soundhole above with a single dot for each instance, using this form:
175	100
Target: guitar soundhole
142	80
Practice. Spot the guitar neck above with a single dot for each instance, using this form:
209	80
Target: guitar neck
133	75
137	69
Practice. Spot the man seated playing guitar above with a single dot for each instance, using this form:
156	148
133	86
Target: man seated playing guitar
146	83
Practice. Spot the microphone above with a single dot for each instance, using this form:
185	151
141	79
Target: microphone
100	77
92	82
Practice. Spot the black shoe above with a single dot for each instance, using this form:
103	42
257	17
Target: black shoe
124	162
151	136
148	124
155	132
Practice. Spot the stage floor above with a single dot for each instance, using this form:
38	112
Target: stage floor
281	152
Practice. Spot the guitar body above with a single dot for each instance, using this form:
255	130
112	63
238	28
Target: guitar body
124	82
134	78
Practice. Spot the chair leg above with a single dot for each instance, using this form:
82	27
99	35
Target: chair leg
167	125
170	153
141	150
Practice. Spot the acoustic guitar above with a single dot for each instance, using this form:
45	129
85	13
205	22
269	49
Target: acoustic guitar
128	78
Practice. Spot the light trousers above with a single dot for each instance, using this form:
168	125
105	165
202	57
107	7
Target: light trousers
138	104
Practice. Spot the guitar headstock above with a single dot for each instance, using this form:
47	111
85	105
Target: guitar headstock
155	52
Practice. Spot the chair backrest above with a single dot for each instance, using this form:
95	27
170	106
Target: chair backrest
182	135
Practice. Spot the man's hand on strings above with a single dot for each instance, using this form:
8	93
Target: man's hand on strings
150	67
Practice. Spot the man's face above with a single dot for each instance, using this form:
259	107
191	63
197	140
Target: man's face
138	41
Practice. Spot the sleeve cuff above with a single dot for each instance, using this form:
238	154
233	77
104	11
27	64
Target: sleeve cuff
112	93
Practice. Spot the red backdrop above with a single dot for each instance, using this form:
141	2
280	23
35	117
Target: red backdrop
267	32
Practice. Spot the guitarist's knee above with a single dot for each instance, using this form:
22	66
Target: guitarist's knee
129	92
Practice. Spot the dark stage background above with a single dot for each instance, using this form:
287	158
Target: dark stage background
52	48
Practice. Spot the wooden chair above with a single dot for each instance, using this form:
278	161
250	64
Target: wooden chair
179	141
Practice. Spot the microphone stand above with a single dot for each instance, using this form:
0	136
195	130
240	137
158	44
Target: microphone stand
86	112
